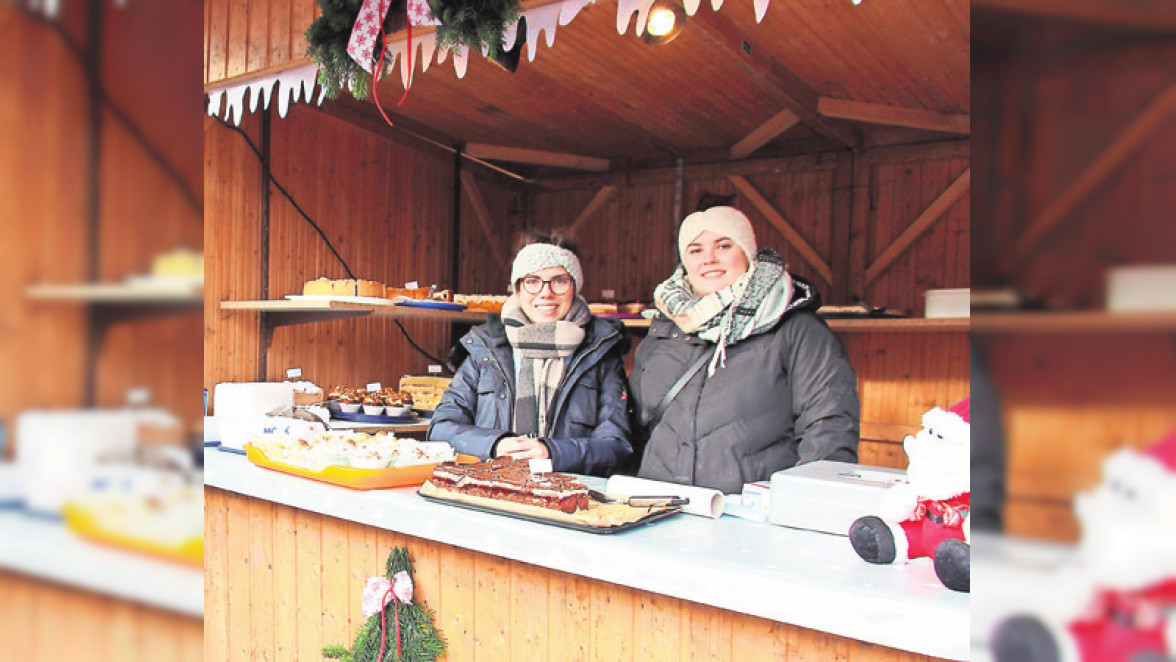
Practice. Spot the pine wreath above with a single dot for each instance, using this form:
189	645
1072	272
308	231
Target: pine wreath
327	39
419	639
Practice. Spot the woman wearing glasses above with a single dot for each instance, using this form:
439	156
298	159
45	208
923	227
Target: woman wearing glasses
543	380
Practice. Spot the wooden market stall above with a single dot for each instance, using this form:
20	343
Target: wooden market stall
842	131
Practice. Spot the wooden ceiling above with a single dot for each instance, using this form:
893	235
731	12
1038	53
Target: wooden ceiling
783	86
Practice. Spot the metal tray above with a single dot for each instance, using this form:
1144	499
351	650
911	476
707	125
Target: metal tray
652	517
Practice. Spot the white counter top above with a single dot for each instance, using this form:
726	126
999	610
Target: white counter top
797	577
45	549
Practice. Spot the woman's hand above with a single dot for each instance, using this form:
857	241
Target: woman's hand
522	448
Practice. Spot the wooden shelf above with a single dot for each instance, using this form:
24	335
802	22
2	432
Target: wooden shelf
871	324
1075	322
136	293
285	312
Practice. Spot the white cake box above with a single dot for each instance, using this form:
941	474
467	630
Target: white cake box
948	303
1142	288
237	399
828	496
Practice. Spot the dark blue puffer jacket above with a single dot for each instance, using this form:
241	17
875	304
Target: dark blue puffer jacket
588	429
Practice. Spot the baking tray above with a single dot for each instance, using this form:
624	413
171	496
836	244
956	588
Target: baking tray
652	517
352	477
84	523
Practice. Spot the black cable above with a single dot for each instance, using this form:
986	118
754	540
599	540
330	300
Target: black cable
118	114
286	194
416	346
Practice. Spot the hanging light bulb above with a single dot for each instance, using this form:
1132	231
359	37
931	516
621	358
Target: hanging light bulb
664	22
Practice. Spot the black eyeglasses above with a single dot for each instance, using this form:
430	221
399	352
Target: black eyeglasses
559	284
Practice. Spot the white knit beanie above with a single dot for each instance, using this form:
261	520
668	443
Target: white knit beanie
533	257
723	221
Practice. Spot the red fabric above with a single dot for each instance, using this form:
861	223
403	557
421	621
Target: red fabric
924	535
963	409
1164	451
1122	624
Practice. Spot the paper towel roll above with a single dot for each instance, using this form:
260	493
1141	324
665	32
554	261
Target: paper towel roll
703	501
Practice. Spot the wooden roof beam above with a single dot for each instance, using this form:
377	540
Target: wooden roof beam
1146	14
936	209
777	219
1133	136
782	87
536	157
602	196
876	113
469	186
767	132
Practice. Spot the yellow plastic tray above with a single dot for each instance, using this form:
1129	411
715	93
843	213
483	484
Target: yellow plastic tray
356	479
84	523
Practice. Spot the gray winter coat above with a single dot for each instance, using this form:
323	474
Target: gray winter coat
588	425
786	397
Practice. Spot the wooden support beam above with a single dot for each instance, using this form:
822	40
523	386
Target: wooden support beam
931	214
1158	112
777	84
1147	14
876	113
470	186
777	219
536	157
602	196
781	122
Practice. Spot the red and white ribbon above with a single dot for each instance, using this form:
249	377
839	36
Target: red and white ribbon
366	29
379	591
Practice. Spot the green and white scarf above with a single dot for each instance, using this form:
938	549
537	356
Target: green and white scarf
753	303
540	350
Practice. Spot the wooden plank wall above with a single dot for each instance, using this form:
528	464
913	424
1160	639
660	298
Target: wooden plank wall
1046	103
259	35
284	582
42	202
141	211
45	621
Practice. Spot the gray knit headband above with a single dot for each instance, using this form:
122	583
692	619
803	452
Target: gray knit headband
534	257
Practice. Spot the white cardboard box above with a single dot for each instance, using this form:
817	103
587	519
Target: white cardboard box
948	303
828	496
239	399
1142	288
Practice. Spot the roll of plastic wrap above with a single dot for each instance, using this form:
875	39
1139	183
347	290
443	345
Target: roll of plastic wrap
703	501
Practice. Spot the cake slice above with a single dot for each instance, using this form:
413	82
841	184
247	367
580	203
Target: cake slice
508	479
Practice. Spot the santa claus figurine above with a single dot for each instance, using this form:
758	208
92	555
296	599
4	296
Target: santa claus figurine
1116	601
927	516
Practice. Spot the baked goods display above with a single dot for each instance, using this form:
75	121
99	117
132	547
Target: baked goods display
509	479
307	393
386	401
506	486
340	448
483	303
603	308
417	294
426	392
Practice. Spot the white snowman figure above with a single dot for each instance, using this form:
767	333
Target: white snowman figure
1116	602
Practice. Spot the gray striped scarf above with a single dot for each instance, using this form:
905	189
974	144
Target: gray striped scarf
540	350
754	302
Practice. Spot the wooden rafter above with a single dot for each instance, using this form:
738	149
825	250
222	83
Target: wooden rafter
602	196
876	113
536	157
1150	14
1159	111
931	214
470	186
779	85
777	219
765	133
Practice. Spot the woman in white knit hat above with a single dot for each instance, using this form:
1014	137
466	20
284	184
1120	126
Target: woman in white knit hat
738	377
543	380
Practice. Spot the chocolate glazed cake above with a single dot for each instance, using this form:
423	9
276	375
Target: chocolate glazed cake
511	480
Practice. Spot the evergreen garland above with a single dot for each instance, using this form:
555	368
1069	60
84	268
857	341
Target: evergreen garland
476	24
419	639
327	39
